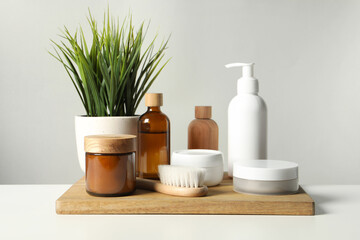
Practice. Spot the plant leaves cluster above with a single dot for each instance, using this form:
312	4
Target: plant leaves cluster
112	75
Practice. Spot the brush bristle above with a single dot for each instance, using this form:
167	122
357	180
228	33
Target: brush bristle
180	176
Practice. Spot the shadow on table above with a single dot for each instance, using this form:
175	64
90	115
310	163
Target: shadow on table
319	201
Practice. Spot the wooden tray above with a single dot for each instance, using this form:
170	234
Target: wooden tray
220	200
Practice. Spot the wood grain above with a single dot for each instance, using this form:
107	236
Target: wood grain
203	134
110	143
220	200
157	186
203	112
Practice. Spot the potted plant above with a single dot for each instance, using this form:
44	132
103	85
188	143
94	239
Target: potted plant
111	74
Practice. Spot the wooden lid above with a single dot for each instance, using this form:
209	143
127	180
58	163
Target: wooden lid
110	143
202	111
153	99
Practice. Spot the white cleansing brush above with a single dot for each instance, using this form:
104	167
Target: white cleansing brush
177	181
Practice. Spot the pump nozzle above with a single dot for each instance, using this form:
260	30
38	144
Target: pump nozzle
247	83
247	68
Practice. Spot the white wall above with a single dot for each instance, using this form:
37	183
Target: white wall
307	56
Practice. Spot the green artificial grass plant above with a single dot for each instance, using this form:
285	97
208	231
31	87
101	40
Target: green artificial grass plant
112	76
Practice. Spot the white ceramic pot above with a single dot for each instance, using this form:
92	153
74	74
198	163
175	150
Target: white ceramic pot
101	125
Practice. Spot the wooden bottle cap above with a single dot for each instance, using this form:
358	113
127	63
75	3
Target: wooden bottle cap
110	143
153	99
202	111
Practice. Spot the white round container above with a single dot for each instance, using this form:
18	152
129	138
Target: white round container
210	160
266	177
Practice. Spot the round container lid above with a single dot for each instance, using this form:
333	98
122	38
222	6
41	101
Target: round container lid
265	170
197	158
203	112
110	143
153	99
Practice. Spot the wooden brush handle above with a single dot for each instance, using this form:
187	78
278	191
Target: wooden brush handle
156	186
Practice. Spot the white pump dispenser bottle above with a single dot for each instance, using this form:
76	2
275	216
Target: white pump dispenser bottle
247	120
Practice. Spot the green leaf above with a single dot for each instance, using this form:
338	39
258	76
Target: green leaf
111	75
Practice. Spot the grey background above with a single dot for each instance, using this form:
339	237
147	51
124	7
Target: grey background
307	56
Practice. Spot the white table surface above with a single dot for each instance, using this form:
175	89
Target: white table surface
28	212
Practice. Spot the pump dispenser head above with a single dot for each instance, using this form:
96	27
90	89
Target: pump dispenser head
247	83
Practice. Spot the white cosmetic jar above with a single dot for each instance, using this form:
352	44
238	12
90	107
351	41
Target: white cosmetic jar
210	160
265	177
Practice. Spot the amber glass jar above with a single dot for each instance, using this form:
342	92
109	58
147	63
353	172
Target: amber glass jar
154	137
110	165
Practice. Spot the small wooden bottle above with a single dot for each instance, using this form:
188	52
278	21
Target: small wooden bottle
154	137
203	132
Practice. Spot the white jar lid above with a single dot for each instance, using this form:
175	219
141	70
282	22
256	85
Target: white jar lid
197	158
265	170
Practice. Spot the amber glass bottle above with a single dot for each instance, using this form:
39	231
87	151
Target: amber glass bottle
154	137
